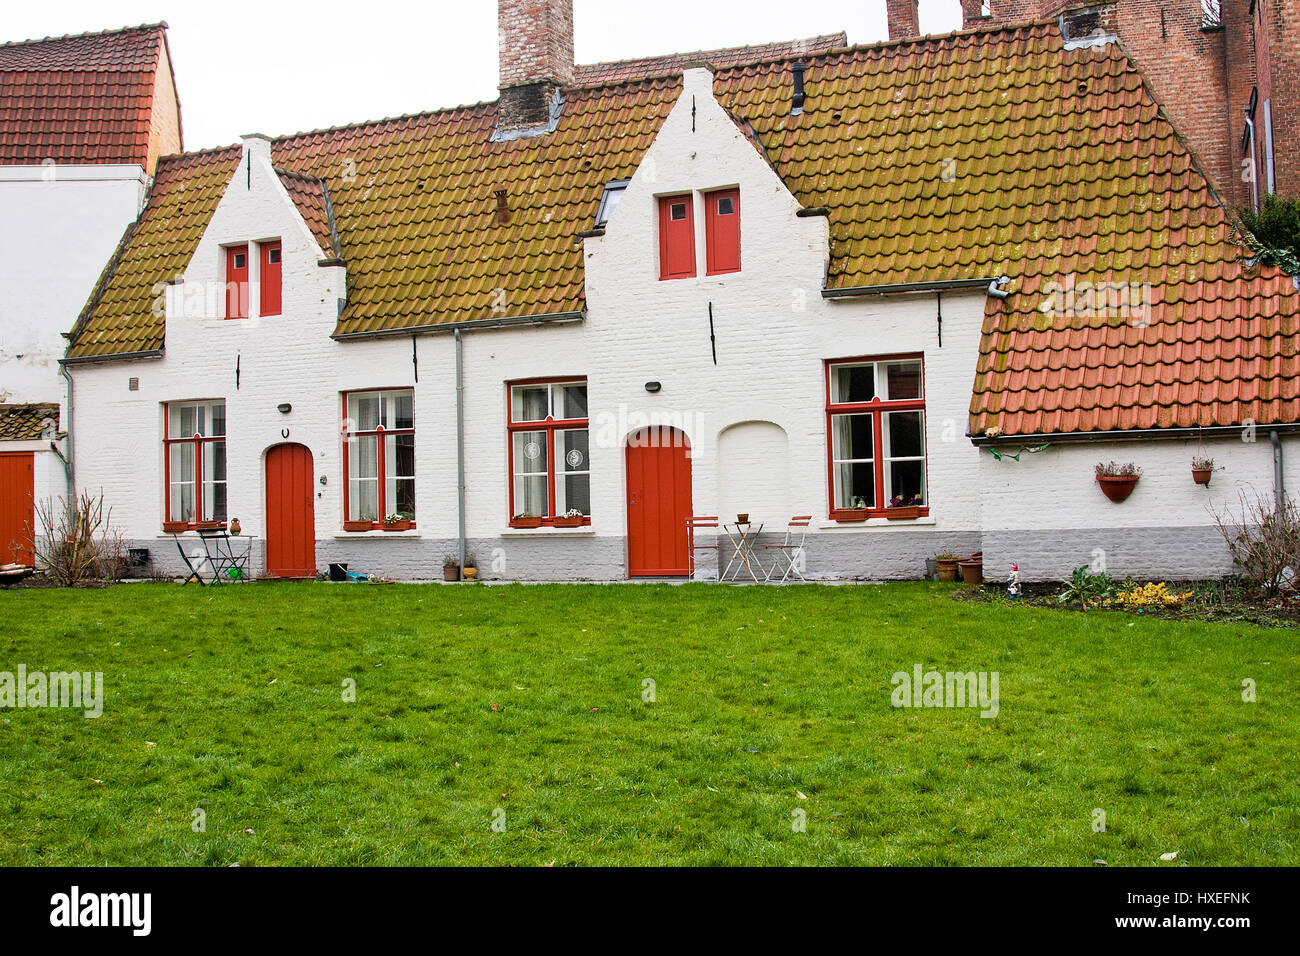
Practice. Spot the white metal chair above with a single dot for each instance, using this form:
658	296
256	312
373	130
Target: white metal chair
789	554
692	523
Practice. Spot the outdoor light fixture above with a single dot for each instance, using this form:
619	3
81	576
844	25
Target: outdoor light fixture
652	387
285	408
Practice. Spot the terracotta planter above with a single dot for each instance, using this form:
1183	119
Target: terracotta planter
1117	487
526	521
207	525
471	574
450	572
1202	475
902	512
851	514
174	527
947	568
358	526
972	571
396	526
562	522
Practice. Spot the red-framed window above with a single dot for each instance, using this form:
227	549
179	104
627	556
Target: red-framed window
875	423
237	282
269	278
194	461
722	231
676	237
550	470
379	455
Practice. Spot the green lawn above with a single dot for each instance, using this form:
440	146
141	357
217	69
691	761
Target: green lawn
528	700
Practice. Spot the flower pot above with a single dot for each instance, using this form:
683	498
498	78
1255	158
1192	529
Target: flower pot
526	521
742	518
1202	475
561	521
450	572
947	568
471	574
174	527
972	571
396	526
207	525
851	514
902	512
1117	487
358	525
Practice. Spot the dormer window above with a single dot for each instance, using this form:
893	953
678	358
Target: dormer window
237	282
609	200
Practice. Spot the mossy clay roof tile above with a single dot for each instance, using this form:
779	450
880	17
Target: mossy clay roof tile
977	154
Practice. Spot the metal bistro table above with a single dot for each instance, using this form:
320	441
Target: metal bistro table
225	557
743	536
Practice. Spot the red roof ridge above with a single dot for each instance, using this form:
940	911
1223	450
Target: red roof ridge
160	25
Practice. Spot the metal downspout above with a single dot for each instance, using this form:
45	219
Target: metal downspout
460	446
68	459
1279	493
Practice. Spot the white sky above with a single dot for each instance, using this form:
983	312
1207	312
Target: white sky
281	67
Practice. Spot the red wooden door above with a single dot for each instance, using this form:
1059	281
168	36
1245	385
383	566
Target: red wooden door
290	513
17	490
658	501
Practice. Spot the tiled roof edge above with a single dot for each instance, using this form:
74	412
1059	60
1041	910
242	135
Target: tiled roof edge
1121	434
160	25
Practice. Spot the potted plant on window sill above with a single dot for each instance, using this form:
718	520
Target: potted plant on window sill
450	567
1117	481
856	511
398	522
902	507
526	521
175	527
1202	469
572	518
358	525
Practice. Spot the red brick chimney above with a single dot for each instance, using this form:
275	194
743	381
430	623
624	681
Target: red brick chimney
904	22
536	46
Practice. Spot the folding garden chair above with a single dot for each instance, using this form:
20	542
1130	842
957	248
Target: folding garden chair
194	563
692	523
789	554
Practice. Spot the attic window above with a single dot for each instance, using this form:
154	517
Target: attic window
609	200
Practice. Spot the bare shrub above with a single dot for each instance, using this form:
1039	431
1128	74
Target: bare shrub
73	542
1263	539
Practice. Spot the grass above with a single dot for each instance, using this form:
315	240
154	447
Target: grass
528	700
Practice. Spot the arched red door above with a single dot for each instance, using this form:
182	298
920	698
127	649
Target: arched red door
290	513
658	501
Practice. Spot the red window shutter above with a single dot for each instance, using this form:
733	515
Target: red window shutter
270	283
722	231
237	282
676	237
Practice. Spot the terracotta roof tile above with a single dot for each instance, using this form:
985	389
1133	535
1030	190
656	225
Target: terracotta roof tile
27	422
965	156
85	98
311	196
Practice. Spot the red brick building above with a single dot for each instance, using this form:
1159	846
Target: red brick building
1224	71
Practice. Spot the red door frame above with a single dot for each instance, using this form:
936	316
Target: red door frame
17	504
658	465
290	512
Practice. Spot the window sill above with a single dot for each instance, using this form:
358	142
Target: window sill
585	530
375	533
826	524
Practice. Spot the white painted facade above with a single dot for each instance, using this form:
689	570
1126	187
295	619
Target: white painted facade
755	419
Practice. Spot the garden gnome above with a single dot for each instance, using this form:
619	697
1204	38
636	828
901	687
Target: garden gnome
1013	582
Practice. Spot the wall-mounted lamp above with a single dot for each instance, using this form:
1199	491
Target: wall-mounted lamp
324	480
285	408
652	387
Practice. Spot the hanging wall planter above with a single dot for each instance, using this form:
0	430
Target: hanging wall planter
1117	481
1202	469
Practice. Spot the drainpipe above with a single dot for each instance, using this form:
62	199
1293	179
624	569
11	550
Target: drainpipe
1279	493
67	460
460	445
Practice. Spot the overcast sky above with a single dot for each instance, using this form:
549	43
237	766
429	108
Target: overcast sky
279	68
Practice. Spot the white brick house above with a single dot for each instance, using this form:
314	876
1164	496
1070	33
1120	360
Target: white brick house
447	292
